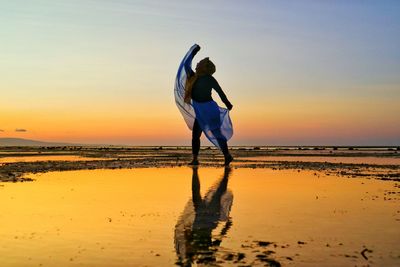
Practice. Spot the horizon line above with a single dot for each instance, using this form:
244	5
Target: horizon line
72	144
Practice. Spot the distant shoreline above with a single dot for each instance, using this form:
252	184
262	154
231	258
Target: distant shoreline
21	142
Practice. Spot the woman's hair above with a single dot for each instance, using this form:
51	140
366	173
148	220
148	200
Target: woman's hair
204	67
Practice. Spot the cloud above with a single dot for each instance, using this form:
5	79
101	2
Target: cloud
21	130
1	130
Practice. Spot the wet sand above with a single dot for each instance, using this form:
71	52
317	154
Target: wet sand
142	206
346	160
380	163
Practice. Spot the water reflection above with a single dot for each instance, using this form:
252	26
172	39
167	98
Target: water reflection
194	240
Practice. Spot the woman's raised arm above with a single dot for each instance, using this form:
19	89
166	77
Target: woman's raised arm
189	58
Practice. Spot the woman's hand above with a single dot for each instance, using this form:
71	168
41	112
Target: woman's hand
229	106
197	49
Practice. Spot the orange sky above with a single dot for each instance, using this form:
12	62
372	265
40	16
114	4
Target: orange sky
288	123
295	73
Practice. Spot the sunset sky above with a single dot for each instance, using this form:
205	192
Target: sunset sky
297	72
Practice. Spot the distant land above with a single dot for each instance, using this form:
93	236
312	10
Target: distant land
29	142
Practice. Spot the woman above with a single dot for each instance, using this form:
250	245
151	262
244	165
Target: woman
200	111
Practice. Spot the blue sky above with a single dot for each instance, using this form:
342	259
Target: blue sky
297	72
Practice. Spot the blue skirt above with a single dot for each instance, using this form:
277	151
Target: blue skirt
214	121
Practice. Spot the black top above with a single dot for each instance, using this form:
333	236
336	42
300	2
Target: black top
201	91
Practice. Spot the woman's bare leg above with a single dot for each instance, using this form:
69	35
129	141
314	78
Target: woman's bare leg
196	133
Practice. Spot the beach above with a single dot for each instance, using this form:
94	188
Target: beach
370	162
143	206
212	133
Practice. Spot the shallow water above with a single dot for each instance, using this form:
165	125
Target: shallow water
331	159
45	158
147	217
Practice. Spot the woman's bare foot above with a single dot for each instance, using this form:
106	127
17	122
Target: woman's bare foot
194	162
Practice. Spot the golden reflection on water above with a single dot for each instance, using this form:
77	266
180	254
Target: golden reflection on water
194	241
45	158
156	217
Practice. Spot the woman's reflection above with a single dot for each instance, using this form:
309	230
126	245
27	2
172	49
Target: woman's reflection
194	242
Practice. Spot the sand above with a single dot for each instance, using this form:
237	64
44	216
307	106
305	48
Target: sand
369	162
122	206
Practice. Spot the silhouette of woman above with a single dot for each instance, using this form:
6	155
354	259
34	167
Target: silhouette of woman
200	111
193	232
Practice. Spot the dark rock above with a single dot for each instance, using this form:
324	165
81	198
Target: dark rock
365	250
241	256
228	257
264	243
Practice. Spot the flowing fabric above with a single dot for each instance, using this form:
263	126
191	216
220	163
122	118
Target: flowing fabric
213	120
179	90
